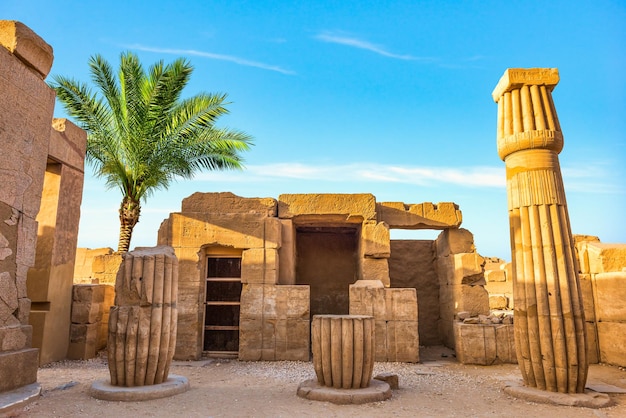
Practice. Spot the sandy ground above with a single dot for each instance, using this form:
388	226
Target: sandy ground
435	387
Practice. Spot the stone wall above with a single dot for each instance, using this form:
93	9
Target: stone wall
499	283
603	283
91	304
284	284
50	280
395	319
33	156
460	271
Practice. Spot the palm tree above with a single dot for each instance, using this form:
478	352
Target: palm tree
141	135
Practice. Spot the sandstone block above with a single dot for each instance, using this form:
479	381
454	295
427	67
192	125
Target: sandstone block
250	339
477	344
259	265
402	341
237	230
375	269
473	299
273	233
88	293
367	297
227	202
426	215
495	275
293	339
498	302
593	355
81	333
610	297
18	368
86	313
375	240
292	302
346	207
389	378
469	269
611	341
286	253
455	241
605	258
586	289
505	344
25	44
400	305
15	338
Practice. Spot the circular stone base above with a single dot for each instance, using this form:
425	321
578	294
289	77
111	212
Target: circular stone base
377	391
589	399
102	389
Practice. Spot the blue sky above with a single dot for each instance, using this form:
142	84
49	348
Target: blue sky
391	98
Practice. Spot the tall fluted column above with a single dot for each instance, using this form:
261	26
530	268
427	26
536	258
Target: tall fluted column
549	319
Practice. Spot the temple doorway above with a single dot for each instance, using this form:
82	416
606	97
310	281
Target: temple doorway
327	261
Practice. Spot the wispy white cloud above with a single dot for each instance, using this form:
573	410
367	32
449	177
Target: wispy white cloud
591	180
210	55
368	46
365	172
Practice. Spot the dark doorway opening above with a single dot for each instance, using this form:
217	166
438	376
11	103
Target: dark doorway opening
327	261
222	304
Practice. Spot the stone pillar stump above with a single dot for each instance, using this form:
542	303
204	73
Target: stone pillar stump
343	350
142	324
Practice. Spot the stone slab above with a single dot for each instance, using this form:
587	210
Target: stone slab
18	398
589	399
377	391
102	389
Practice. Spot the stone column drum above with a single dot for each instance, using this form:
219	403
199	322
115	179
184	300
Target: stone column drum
549	319
343	350
142	324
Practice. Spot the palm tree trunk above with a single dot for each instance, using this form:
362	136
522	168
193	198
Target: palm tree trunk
129	216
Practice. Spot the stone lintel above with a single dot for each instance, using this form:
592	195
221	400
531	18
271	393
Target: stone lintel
427	215
68	144
514	78
26	45
349	206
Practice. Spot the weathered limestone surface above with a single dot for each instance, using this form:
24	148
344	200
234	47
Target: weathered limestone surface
86	260
375	239
484	344
550	329
90	314
226	202
461	280
345	207
442	215
26	108
274	322
25	44
499	284
143	322
395	314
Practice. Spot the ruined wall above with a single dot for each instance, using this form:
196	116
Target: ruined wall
213	223
41	169
26	106
50	280
461	280
603	285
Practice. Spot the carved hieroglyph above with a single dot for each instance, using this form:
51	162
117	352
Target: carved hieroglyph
549	317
